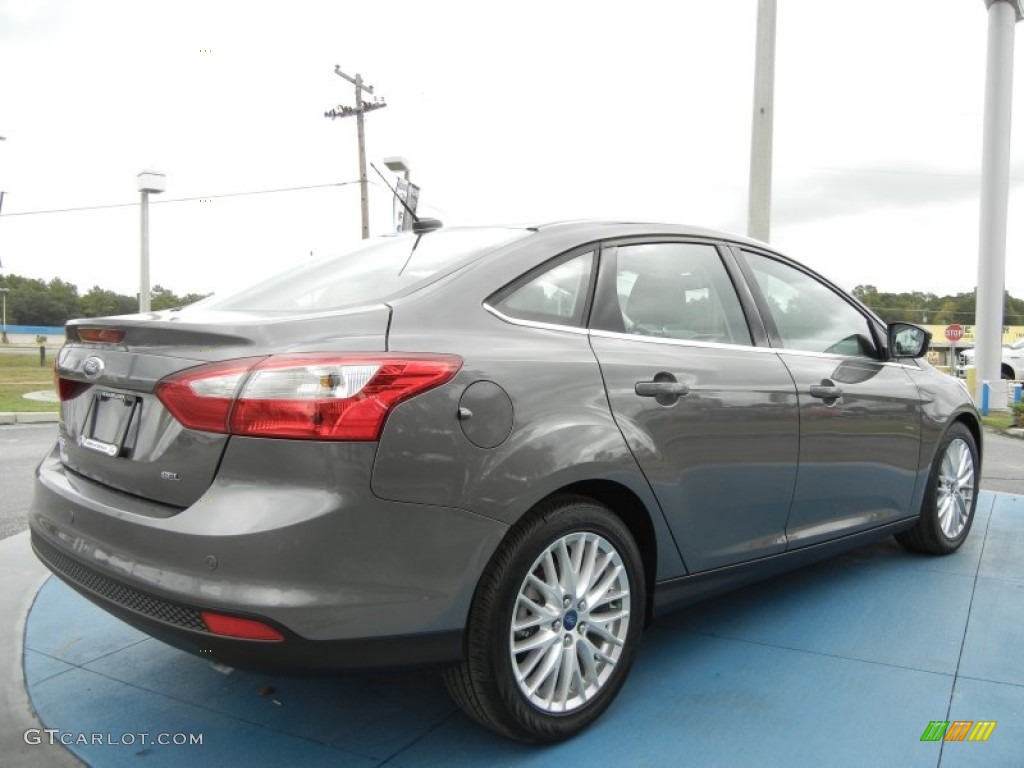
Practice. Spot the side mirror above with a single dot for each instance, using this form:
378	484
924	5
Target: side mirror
907	340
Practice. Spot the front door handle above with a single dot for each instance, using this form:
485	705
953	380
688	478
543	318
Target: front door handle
826	391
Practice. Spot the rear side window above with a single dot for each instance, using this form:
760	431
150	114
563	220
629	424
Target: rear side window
373	273
557	295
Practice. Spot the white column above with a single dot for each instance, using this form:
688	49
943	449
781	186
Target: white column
759	201
995	190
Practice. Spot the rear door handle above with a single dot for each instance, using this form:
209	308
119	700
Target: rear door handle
664	389
826	391
658	388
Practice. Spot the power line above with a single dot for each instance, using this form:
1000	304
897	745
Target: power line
187	199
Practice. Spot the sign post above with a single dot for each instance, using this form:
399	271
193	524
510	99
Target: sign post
954	333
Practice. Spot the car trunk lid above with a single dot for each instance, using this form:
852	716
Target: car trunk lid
114	430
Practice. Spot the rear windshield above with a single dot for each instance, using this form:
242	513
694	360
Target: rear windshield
382	269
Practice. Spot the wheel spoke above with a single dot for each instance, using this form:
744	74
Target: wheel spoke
597	628
552	598
599	591
550	664
587	569
609	597
542	639
567	576
587	653
536	608
565	674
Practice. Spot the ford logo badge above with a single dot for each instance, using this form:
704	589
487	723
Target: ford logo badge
92	367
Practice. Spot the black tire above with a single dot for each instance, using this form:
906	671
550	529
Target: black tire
486	683
929	534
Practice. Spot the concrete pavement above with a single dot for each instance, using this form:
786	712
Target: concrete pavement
21	575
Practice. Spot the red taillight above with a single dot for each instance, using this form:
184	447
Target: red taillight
101	335
201	398
232	626
311	396
68	389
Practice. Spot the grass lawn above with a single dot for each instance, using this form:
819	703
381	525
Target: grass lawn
21	373
998	420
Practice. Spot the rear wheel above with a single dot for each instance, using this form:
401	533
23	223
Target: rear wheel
554	624
951	497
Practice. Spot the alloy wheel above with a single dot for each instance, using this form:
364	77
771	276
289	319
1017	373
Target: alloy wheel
570	622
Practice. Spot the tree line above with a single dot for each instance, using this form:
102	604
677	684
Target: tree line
930	309
36	302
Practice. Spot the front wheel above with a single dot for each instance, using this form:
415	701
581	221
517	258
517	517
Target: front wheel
951	497
554	624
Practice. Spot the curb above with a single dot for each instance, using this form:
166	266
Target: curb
29	417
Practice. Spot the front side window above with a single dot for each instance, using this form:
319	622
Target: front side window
673	291
808	314
557	295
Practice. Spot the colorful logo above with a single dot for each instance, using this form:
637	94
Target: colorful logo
958	730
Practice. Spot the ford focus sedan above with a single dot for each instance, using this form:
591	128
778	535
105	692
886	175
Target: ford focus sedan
503	451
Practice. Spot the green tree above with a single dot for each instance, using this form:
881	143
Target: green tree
101	303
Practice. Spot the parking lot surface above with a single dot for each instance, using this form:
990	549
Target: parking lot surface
843	663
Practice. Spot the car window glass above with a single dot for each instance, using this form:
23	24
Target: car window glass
557	295
674	291
377	270
808	314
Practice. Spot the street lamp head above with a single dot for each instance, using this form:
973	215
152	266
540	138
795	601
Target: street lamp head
397	164
152	181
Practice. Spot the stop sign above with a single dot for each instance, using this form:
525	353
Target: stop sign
954	332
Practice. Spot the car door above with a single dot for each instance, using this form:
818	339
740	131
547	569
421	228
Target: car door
860	415
710	417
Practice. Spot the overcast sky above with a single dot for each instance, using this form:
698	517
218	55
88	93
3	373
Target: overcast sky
538	111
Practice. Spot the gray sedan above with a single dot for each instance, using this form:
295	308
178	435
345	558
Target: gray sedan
500	450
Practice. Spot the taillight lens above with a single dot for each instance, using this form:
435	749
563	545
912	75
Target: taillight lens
310	396
101	335
66	388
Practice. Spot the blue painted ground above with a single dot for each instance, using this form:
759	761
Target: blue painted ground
842	664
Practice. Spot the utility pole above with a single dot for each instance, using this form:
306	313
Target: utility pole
359	110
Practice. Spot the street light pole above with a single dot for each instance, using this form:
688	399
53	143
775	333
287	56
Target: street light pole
148	182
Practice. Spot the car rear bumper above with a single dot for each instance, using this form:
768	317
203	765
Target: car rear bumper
347	579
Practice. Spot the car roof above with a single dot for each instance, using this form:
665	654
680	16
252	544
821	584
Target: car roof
624	227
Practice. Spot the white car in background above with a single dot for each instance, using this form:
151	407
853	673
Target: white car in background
1012	365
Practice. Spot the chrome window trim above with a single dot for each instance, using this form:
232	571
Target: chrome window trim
534	323
678	342
834	356
686	342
